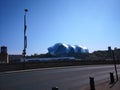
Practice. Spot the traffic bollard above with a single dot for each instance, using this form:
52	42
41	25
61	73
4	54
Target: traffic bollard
111	78
92	84
54	88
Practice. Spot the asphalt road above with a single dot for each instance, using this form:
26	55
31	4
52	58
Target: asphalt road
66	78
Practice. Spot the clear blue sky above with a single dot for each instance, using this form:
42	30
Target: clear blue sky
91	23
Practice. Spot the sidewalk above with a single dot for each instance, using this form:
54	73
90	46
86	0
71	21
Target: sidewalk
107	86
104	86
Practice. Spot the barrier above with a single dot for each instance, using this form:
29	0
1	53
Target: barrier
92	84
111	78
54	88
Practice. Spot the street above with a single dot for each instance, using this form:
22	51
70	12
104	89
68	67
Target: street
65	78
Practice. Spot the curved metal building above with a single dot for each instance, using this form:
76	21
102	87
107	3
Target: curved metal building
64	49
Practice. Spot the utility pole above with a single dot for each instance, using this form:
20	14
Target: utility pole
25	38
113	56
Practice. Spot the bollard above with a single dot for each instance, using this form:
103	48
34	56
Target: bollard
111	78
92	84
54	88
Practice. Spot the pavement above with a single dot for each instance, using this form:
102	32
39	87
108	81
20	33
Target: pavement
104	86
65	78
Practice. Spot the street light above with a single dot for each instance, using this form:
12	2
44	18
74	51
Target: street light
113	56
25	37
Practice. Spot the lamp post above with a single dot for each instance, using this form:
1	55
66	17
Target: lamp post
25	37
113	56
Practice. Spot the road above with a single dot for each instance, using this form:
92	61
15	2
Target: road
66	78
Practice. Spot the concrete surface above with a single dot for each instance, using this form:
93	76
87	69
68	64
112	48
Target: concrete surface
66	78
103	85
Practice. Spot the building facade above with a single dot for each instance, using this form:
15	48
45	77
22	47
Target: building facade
4	55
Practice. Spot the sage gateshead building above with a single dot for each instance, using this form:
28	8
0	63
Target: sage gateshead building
60	49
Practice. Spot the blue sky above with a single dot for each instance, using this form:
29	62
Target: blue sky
91	23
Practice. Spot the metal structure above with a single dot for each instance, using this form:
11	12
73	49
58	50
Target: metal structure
112	78
61	49
25	36
92	83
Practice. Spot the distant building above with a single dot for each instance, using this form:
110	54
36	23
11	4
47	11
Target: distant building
15	58
117	53
60	49
105	55
4	55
